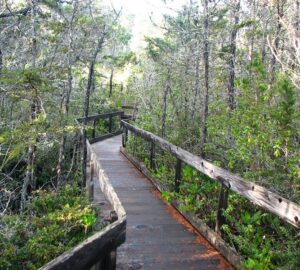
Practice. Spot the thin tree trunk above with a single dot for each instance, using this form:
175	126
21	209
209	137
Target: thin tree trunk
62	149
34	41
231	78
29	179
251	47
164	105
206	79
87	101
297	16
186	94
1	61
164	111
111	83
297	21
279	14
197	83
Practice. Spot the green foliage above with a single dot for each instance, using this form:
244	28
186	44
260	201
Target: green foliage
258	138
55	222
156	47
265	241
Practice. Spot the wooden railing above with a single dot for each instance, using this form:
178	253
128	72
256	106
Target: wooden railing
258	195
95	119
98	252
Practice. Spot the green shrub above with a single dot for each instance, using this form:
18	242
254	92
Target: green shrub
55	221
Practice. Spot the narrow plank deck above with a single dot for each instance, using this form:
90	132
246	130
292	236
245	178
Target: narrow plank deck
157	236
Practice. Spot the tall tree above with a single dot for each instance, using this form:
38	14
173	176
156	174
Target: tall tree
232	53
206	76
29	178
279	7
67	93
90	80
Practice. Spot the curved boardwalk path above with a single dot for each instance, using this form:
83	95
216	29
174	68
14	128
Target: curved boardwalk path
157	237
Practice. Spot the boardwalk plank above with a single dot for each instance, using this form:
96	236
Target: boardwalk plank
156	237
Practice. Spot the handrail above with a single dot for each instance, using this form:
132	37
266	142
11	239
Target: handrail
100	116
94	249
95	118
99	250
270	201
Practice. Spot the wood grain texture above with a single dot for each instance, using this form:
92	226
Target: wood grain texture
91	250
270	201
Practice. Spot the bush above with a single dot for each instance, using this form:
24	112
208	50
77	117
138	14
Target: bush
55	221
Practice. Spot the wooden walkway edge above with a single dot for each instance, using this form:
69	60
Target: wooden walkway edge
157	236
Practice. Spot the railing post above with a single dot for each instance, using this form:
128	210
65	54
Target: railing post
178	174
124	136
223	202
84	158
134	143
152	156
121	117
94	129
109	262
91	184
78	149
110	124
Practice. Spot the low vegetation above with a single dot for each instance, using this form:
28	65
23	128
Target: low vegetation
54	222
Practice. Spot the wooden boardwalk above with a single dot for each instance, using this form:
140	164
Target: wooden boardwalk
157	236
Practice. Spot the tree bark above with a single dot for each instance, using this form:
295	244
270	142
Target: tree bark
231	78
1	61
297	16
87	100
111	83
164	111
29	179
20	12
197	83
62	149
279	14
206	78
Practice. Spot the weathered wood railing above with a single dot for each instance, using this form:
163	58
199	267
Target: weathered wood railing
95	119
258	195
98	252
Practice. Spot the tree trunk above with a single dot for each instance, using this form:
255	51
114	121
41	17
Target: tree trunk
62	149
33	37
197	83
87	101
111	83
206	78
29	179
251	47
186	94
297	16
164	111
279	14
231	78
1	61
164	105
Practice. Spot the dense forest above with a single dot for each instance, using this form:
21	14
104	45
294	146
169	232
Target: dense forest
221	79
